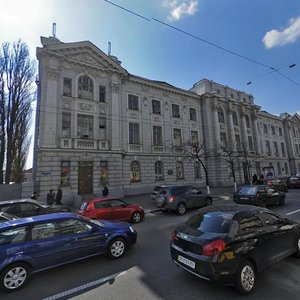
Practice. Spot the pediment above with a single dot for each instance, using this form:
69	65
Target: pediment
85	53
296	118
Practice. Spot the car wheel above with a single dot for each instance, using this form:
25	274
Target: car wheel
15	276
181	209
297	253
136	217
116	248
208	201
245	278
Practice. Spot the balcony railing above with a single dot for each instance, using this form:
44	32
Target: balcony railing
68	143
158	149
134	148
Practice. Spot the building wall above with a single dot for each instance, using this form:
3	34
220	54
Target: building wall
59	61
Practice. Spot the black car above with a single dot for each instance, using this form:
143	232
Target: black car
258	195
230	244
278	185
293	182
27	207
179	198
4	217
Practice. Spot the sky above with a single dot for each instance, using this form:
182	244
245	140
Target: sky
232	42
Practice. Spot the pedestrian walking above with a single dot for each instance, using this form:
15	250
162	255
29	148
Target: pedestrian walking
58	196
254	179
105	191
50	197
34	196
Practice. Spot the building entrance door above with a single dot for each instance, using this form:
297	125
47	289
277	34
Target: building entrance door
85	177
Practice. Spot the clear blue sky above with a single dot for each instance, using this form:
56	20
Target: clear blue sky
265	31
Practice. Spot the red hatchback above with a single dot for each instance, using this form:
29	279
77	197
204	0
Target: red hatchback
111	209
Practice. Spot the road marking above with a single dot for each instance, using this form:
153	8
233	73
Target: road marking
85	286
293	212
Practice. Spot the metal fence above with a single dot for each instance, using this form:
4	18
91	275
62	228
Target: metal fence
10	191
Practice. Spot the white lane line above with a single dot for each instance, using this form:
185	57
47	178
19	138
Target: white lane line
85	286
292	212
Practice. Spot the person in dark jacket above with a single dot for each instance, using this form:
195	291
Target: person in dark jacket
34	196
58	195
50	197
105	191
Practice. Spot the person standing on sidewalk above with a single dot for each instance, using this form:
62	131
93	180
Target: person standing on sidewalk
105	191
58	195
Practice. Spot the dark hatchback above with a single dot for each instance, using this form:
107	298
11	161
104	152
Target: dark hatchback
259	195
27	207
230	244
293	182
29	245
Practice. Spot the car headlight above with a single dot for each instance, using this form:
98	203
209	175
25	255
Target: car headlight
131	229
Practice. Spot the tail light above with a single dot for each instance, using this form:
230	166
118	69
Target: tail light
214	248
171	198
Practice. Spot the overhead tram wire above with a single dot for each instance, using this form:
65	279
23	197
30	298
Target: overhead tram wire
204	41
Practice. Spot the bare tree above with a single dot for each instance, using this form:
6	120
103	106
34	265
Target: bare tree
195	151
17	75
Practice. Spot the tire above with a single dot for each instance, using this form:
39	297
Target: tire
136	217
181	209
20	271
208	202
116	248
297	253
246	278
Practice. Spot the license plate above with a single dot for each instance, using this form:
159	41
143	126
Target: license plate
186	261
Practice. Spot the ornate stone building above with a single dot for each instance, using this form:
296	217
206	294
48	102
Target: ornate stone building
99	125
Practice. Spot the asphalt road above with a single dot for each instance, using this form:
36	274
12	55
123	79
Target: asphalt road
147	272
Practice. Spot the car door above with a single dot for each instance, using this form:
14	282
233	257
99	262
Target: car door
103	210
119	210
80	238
28	209
283	233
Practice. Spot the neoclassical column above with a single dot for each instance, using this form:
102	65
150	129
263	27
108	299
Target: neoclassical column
231	128
115	117
244	132
256	135
216	125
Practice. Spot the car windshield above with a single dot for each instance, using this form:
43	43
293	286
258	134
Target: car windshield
248	191
216	222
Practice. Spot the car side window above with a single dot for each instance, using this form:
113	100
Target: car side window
12	209
102	204
250	222
270	219
163	192
28	207
72	227
43	231
12	236
117	203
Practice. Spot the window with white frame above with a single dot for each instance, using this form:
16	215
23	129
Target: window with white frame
273	130
223	139
102	93
159	171
134	133
238	141
275	148
197	169
194	138
179	170
250	142
282	149
157	136
102	128
133	102
280	131
265	129
193	114
156	107
67	88
247	119
135	171
85	126
268	149
221	117
286	168
279	168
66	125
175	111
85	87
177	137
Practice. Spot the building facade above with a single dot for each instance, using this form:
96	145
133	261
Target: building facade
97	125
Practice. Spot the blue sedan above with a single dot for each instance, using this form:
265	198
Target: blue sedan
29	245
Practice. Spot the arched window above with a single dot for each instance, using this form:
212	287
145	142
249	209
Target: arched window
159	171
135	171
179	170
197	169
85	88
221	115
235	119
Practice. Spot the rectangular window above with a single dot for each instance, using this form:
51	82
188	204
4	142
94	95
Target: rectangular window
280	131
85	127
134	133
102	93
194	138
177	137
67	89
65	173
265	129
282	149
157	136
275	148
156	107
223	138
133	102
175	111
268	149
66	125
193	114
102	128
250	142
273	130
238	141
